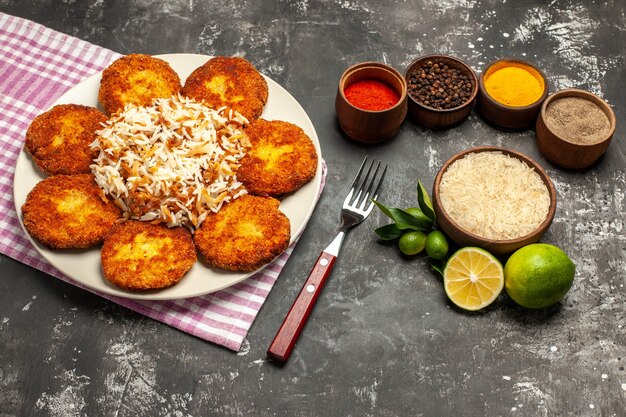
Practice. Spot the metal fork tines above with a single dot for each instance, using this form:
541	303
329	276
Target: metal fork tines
358	203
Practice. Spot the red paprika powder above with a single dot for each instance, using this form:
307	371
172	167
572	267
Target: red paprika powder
371	95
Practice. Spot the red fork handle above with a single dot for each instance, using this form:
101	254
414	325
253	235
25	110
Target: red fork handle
294	322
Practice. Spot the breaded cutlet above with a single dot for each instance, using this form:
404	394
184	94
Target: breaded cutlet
58	140
281	160
69	211
141	256
244	235
229	81
136	79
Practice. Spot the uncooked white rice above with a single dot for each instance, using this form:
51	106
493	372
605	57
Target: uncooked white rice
174	161
494	195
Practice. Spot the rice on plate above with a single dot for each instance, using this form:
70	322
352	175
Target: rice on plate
174	161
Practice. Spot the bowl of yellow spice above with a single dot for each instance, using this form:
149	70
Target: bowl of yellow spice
511	92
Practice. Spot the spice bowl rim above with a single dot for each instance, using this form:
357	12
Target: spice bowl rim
372	64
459	61
495	246
494	102
567	92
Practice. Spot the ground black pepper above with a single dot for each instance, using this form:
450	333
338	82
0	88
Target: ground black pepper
577	120
438	85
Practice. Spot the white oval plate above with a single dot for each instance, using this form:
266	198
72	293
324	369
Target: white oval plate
84	266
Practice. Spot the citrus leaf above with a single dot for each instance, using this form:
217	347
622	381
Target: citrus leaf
382	208
389	232
405	220
417	212
423	199
437	266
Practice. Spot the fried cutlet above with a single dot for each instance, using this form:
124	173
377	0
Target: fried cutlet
136	79
229	81
244	235
143	256
68	211
281	160
59	139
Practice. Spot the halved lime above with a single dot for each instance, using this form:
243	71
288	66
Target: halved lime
473	278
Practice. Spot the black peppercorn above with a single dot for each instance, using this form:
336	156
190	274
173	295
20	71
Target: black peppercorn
437	85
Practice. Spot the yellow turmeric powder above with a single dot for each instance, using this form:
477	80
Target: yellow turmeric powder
514	84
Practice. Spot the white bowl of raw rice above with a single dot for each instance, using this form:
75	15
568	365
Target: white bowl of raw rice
494	198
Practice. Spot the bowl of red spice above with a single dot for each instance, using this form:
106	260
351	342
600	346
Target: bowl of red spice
510	93
441	89
574	128
371	102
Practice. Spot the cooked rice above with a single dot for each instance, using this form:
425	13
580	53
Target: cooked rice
172	162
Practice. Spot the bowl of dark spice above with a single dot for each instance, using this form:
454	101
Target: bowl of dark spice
441	89
574	128
371	102
511	92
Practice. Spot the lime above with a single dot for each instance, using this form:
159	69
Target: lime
538	275
412	243
436	245
473	278
419	214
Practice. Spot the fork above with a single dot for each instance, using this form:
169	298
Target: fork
356	207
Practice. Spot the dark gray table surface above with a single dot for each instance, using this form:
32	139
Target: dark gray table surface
383	340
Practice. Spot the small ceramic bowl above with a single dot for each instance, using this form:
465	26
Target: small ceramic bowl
505	116
566	154
431	117
366	125
496	247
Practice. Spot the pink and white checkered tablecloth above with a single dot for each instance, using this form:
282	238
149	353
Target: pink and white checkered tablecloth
37	65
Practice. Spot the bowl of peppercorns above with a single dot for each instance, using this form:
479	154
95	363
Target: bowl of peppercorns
441	90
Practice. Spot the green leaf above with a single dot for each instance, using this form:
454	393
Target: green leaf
417	212
405	220
423	199
437	266
389	232
382	208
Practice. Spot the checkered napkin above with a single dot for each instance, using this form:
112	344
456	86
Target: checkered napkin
37	65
